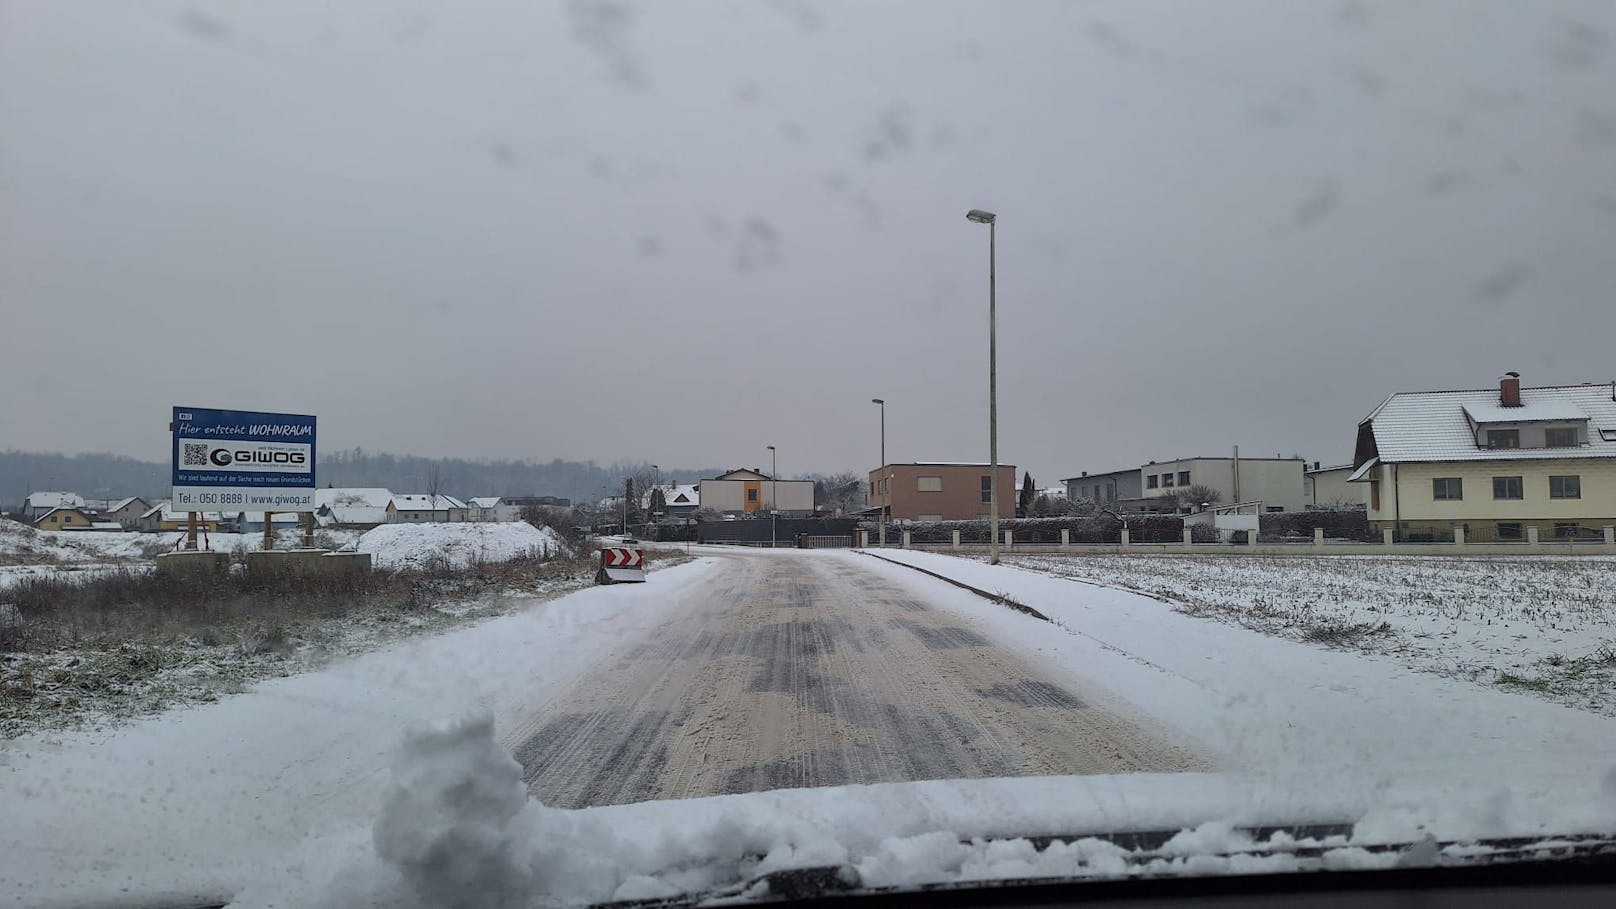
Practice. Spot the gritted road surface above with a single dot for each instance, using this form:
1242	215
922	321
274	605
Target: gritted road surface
806	669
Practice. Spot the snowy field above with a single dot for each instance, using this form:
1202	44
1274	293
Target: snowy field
1538	624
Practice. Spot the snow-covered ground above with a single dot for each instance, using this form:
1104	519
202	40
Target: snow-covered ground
1537	624
301	791
400	546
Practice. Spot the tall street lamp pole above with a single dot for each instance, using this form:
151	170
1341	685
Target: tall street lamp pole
774	503
880	474
991	220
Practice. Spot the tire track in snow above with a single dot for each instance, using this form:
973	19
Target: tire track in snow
796	669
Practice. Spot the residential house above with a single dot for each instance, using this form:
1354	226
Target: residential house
413	508
491	508
163	517
679	500
253	521
1501	463
127	512
65	519
1327	487
938	491
38	504
743	491
356	507
1104	489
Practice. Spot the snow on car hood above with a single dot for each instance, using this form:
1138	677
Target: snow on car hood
457	828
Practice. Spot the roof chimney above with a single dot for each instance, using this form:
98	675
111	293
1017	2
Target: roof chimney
1509	390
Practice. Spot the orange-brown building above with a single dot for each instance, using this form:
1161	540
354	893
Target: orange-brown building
940	491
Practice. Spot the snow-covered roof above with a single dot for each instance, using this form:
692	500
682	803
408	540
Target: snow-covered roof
124	503
372	496
1543	409
1433	425
47	514
167	512
53	500
671	493
1328	469
483	501
424	502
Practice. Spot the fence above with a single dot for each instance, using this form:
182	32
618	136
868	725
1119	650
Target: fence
1389	544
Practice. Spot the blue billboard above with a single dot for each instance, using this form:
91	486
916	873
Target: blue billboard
242	460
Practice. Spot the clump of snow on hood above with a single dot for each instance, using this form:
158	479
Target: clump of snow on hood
451	824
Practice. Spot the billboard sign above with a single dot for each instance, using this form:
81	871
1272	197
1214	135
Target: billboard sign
242	460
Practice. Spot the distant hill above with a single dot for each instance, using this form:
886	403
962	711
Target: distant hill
113	476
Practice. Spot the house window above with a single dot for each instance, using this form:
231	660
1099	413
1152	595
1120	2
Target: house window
1566	530
987	489
928	484
1508	488
1565	487
872	488
1374	495
1447	489
1167	479
1503	438
1274	509
751	495
1560	438
1509	531
1183	478
1150	481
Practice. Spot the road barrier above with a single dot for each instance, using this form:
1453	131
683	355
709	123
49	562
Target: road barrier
620	565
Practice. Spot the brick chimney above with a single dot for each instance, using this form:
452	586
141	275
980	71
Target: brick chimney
1509	389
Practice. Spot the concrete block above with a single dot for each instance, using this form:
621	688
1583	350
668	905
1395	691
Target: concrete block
1318	536
346	562
1458	535
908	539
1066	537
193	563
1009	539
1189	535
956	539
1124	535
1388	536
265	562
1531	535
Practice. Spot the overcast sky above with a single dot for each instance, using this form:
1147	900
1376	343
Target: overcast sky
679	232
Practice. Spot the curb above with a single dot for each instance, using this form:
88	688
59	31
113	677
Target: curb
991	597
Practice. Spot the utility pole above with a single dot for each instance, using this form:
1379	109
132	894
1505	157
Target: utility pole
774	502
881	519
991	220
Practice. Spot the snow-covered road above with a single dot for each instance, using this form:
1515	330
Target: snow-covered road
809	669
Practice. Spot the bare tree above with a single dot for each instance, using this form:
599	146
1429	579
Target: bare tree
434	483
1193	497
839	492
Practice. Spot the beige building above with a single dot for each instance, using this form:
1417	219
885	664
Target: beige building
1497	463
940	492
1328	487
64	519
744	491
1272	484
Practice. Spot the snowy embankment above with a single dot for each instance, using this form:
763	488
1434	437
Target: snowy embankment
1535	624
184	808
420	546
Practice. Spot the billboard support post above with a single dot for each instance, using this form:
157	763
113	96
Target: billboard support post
269	530
190	530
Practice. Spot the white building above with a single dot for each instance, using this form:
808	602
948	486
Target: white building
413	508
351	506
752	492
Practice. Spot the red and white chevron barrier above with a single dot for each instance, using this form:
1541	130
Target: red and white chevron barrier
620	564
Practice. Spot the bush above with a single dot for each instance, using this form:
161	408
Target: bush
1345	524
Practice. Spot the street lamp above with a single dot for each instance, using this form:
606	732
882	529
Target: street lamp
774	504
881	517
978	216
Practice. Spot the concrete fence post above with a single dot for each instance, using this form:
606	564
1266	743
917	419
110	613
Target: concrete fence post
956	539
1251	538
1387	536
1318	536
862	539
1124	536
1531	535
881	536
908	539
1458	536
1066	536
1610	536
1009	539
1189	535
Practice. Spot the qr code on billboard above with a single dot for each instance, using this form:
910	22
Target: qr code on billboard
196	454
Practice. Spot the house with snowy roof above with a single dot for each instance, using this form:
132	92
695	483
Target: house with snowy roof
424	509
1505	463
39	504
352	506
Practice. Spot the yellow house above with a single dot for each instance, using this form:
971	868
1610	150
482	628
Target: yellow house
64	519
1497	464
